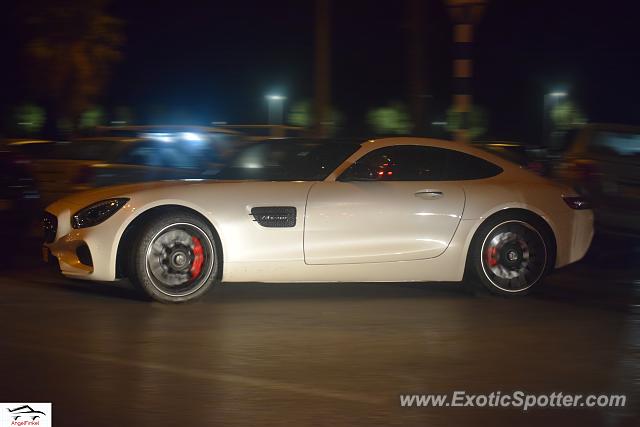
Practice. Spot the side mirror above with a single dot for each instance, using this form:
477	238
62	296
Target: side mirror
358	172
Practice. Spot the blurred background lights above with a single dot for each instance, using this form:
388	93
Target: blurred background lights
191	136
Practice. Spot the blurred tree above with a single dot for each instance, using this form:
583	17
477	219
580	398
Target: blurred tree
393	119
71	47
567	115
91	118
28	119
477	125
300	114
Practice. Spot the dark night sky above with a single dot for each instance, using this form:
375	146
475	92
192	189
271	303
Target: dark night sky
212	60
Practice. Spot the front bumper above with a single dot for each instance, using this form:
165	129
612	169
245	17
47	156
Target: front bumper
69	258
87	253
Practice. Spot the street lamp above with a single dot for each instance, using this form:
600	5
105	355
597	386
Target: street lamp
276	104
551	100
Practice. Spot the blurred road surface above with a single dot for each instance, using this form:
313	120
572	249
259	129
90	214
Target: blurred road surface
322	354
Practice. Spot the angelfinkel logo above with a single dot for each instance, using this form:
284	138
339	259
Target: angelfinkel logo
25	414
25	411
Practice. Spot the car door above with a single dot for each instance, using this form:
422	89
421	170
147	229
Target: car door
388	206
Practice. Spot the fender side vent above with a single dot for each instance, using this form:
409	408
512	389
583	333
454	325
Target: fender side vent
275	216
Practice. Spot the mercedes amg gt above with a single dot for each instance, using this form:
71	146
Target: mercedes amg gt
386	210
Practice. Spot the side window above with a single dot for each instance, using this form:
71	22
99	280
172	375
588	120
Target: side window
462	166
398	163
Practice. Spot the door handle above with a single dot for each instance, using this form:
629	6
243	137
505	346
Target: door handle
429	194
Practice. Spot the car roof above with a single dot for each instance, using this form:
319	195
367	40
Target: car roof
464	147
430	142
374	143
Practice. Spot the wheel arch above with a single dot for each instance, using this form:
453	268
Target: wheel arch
123	245
538	219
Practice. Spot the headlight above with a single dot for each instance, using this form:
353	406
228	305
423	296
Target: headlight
97	213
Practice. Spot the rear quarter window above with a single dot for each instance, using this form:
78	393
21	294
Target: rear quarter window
461	166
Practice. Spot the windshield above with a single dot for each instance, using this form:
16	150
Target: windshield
287	160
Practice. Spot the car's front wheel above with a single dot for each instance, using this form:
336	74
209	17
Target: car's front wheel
174	258
510	256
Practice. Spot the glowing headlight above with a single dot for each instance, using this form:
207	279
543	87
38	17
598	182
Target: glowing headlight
97	213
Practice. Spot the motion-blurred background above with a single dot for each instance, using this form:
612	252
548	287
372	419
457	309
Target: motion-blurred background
102	92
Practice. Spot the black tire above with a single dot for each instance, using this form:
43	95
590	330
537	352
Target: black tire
174	258
510	254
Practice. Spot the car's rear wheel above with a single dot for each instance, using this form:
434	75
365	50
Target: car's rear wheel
174	258
510	256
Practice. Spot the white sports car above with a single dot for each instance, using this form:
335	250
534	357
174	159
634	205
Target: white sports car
387	210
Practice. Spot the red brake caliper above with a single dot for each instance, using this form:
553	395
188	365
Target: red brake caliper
198	257
491	256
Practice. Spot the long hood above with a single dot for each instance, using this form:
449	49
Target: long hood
87	197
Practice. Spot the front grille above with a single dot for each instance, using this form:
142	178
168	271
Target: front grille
49	227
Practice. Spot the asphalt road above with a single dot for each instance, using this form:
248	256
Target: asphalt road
322	354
